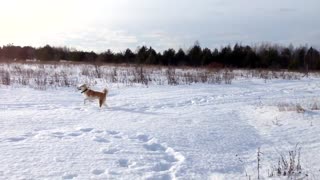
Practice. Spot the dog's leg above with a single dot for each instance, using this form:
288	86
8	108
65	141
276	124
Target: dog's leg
100	102
84	101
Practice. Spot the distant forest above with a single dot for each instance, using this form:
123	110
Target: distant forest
265	56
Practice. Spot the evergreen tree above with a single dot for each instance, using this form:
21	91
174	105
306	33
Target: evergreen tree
169	57
129	56
195	55
180	58
152	56
206	57
142	55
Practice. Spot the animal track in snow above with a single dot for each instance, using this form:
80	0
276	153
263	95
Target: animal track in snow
117	136
113	132
97	171
162	166
75	134
20	138
15	139
153	146
110	154
143	137
110	150
97	131
100	139
69	176
85	129
123	162
57	134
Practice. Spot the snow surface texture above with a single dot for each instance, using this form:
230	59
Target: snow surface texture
160	132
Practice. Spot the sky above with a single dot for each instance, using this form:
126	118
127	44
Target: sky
98	25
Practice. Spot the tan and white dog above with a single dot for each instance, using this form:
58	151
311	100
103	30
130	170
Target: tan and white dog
92	95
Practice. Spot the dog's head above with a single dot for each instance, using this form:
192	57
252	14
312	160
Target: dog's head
83	87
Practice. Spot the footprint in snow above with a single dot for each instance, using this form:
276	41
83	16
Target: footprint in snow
22	137
162	166
117	136
125	163
154	146
159	176
98	131
57	134
143	137
110	150
30	134
15	139
97	171
171	158
75	134
113	132
69	176
86	129
100	139
58	159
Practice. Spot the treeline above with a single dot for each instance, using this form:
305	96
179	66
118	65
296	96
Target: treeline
262	56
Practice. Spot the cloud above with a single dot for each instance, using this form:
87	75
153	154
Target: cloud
287	10
162	40
101	39
97	39
162	24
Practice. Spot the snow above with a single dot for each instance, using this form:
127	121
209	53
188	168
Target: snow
197	131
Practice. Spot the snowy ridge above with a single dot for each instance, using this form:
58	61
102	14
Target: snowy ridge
177	165
176	158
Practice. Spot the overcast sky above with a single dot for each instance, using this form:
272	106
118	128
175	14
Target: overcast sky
119	24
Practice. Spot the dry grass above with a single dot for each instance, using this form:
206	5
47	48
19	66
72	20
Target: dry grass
42	75
301	106
291	107
289	165
271	74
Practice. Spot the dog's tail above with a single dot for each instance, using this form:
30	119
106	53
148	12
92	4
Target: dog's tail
105	92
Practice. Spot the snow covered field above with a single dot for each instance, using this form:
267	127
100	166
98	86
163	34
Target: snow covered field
199	131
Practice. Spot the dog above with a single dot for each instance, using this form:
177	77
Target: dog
92	95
